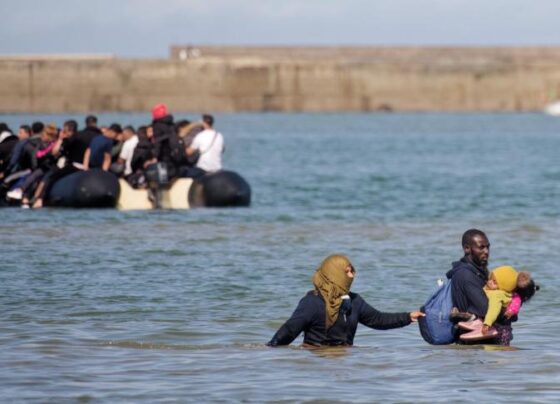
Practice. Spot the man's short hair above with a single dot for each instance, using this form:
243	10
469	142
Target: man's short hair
72	125
208	119
142	132
26	128
91	120
37	127
470	234
181	124
116	128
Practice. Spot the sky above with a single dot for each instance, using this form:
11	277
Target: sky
147	28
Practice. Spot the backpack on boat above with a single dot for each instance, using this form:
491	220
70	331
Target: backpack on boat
436	328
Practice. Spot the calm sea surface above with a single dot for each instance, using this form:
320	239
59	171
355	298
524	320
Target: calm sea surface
176	306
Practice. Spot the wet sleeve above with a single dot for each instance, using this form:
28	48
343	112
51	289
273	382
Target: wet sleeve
378	320
496	300
298	322
478	302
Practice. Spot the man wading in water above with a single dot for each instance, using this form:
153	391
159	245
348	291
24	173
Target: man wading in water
469	275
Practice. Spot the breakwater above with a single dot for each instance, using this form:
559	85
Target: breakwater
231	79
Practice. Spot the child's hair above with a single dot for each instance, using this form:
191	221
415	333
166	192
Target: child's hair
528	290
523	279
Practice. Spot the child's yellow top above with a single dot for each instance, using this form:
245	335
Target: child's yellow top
506	278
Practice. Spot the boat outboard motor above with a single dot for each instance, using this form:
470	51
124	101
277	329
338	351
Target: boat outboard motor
220	189
157	176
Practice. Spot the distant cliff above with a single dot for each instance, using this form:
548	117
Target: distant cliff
229	79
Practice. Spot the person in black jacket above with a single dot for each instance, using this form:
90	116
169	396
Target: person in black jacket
329	315
165	138
75	144
27	158
72	146
470	274
7	143
24	134
468	277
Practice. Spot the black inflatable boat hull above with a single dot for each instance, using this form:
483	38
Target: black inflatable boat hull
101	189
85	189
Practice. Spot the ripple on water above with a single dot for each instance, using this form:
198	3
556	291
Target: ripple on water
113	306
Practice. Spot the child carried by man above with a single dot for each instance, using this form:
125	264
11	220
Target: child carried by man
506	289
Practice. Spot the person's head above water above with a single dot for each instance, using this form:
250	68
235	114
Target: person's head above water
526	288
333	279
503	278
476	247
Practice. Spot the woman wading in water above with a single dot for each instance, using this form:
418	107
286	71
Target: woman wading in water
329	315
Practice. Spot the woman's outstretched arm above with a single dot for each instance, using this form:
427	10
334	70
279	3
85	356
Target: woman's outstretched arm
378	320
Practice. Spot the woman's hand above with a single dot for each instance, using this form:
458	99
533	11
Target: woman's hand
415	315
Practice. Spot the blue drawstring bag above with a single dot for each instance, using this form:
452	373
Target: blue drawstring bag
436	328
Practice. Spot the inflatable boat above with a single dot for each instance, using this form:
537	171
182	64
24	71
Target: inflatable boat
101	189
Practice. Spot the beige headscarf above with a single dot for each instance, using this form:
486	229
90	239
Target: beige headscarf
332	282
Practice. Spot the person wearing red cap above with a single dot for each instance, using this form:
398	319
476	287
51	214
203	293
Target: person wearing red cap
168	152
159	111
165	138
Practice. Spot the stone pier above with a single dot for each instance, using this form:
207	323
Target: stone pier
232	79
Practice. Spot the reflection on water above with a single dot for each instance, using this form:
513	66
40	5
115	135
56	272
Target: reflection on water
176	306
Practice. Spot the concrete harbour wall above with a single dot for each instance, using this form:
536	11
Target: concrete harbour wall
230	79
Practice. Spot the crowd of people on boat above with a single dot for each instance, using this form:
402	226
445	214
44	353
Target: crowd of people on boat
40	154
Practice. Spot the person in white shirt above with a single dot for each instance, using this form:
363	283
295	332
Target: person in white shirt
127	151
210	145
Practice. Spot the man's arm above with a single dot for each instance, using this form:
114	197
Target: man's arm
195	145
477	300
106	161
63	139
87	155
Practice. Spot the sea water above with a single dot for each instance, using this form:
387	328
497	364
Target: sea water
176	306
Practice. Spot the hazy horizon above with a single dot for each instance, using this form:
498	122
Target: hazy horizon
148	28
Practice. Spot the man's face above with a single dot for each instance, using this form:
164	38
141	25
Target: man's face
23	134
479	250
67	131
110	133
127	134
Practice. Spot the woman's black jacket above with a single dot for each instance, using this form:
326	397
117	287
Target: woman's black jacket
309	317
